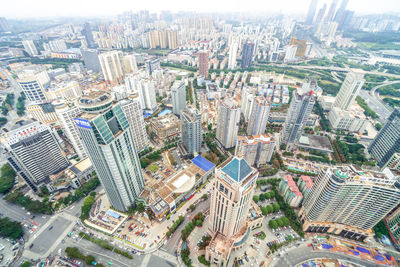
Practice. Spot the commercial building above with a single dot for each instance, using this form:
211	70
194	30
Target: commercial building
290	191
352	121
112	66
301	47
178	93
191	130
348	201
256	150
165	126
64	90
387	142
393	163
32	85
203	63
258	117
34	153
303	100
108	139
42	112
231	198
247	55
91	59
349	90
133	111
228	122
66	112
30	47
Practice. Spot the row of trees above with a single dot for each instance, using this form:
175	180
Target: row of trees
73	252
35	206
175	226
263	196
87	205
275	224
80	192
10	229
270	209
367	110
104	244
7	178
197	220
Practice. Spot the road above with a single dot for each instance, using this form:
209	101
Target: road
301	254
376	104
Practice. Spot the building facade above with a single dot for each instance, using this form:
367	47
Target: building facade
108	139
259	114
256	150
228	122
191	130
203	63
112	66
349	90
247	55
34	153
387	142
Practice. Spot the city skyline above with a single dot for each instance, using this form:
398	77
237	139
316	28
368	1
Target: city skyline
44	8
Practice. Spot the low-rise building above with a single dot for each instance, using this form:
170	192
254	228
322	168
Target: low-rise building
290	191
352	121
42	112
165	126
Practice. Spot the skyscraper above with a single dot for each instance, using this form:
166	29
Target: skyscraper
259	115
247	55
145	88
87	32
231	196
203	63
66	112
3	25
30	47
339	16
133	111
34	153
301	105
311	12
32	86
178	93
108	139
331	12
348	201
232	54
112	66
191	130
228	122
321	14
387	142
349	90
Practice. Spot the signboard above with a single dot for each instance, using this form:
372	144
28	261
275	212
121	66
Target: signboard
83	123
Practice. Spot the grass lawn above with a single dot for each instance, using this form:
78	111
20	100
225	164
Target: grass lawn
153	167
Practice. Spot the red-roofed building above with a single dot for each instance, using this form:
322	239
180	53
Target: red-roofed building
305	183
290	191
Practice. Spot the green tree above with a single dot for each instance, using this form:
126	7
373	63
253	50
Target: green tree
7	178
272	224
25	264
256	198
192	207
276	207
262	197
140	207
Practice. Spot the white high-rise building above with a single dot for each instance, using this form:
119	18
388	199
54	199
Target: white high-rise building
145	88
228	122
259	115
30	47
349	201
112	66
290	54
178	93
349	90
191	130
55	45
233	50
130	65
108	139
66	112
133	112
303	100
247	101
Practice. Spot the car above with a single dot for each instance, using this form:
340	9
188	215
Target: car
51	227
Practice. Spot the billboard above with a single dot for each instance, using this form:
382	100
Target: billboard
83	123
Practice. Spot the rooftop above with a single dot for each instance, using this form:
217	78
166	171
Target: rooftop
238	169
203	163
315	142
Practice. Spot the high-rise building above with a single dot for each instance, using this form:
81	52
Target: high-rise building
232	54
66	112
3	25
145	88
112	66
348	201
321	14
191	130
32	86
387	141
163	39
178	93
34	153
152	64
203	63
91	59
247	55
87	32
259	115
392	222
301	46
301	105
339	16
133	111
154	39
231	196
55	45
331	12
108	139
172	37
393	163
290	54
129	64
228	122
30	47
256	150
311	12
64	90
349	90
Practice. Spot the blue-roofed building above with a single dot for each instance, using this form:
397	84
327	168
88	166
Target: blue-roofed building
203	164
237	169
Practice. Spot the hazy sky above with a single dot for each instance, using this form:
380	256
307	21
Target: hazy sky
54	8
